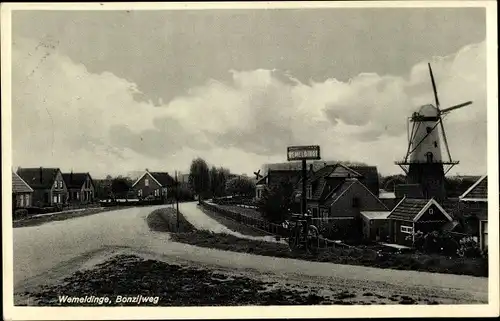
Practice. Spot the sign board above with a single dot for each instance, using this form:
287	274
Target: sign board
295	153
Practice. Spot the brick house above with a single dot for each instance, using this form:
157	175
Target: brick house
473	206
275	178
153	185
338	191
22	193
412	215
81	188
49	188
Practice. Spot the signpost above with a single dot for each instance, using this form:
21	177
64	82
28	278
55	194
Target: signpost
177	198
303	153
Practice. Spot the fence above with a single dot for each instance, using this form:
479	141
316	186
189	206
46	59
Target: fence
263	225
131	202
266	226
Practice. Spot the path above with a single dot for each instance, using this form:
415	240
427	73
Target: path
48	252
202	221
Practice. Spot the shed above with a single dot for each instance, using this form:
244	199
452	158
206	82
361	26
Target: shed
375	225
411	215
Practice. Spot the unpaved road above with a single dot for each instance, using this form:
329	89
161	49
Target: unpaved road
201	221
46	253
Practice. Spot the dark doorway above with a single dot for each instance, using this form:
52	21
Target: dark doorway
430	157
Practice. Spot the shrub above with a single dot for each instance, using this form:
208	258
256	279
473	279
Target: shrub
20	213
468	248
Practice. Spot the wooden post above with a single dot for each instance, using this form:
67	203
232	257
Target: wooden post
304	187
177	198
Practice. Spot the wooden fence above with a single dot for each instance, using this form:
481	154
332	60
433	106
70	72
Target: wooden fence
263	225
266	226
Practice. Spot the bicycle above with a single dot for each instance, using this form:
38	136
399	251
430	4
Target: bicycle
302	235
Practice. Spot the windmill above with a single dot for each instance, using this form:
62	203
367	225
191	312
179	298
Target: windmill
423	163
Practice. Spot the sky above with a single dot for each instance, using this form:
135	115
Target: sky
110	92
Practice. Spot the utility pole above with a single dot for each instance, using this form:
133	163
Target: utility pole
304	184
177	198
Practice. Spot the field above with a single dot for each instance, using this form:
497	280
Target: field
158	283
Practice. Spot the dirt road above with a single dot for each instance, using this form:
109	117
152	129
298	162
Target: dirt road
44	254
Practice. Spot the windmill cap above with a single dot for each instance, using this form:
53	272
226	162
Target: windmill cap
428	111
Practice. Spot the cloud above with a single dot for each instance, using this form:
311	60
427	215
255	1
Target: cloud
65	116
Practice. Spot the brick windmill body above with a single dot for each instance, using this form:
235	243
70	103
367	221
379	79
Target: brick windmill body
423	163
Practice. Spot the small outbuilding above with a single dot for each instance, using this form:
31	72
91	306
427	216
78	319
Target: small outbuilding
375	225
412	215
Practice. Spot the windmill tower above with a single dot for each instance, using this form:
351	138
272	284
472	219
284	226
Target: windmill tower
423	163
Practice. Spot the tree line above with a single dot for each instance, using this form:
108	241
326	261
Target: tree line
204	182
215	182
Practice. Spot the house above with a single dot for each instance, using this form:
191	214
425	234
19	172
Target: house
473	206
375	225
338	191
49	188
369	177
276	178
153	185
414	214
21	192
81	188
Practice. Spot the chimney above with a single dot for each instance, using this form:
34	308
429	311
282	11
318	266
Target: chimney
41	172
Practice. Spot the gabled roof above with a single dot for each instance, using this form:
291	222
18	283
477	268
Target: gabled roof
478	192
369	178
19	185
281	176
38	178
338	192
162	178
75	180
411	209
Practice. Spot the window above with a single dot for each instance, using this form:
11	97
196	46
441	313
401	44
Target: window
485	235
309	192
21	204
58	198
146	182
156	192
406	229
54	199
431	211
429	129
27	200
139	192
78	195
60	184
